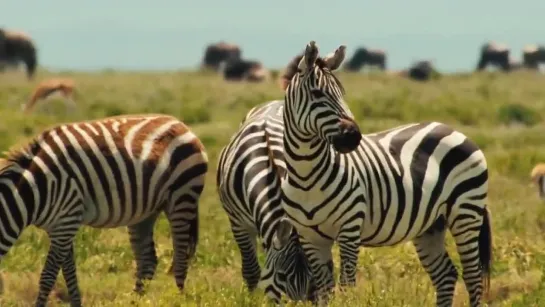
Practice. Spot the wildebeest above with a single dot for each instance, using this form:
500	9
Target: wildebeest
494	54
244	70
533	55
17	47
220	52
422	70
366	57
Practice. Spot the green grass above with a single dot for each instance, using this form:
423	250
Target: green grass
502	113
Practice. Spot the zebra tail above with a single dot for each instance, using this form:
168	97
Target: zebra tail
193	241
485	250
193	234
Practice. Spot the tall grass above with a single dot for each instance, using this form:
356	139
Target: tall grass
502	113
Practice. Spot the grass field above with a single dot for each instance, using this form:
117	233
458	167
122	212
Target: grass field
502	113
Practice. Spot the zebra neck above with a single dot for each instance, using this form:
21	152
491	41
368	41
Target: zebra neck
305	158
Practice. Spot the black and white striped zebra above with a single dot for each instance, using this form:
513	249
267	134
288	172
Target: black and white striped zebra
117	171
249	187
410	183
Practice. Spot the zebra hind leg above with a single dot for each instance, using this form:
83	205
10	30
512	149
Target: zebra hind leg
433	256
473	237
61	247
69	272
251	271
143	247
184	226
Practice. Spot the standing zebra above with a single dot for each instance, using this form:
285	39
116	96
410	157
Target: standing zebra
249	188
409	183
106	173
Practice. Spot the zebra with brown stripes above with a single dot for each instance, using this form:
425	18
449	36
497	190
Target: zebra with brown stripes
116	171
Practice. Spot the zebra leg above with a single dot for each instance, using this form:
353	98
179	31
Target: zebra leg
466	232
349	247
433	256
251	271
321	264
143	247
184	228
69	273
61	247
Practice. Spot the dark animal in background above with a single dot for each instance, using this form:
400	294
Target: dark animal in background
366	57
220	52
419	71
15	48
245	70
494	54
533	55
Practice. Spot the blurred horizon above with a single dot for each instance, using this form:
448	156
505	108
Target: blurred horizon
172	35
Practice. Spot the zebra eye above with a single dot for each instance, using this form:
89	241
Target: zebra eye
317	94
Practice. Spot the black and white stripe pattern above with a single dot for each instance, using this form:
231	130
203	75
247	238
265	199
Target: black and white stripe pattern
118	171
249	188
410	183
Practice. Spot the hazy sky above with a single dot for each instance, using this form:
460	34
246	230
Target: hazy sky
171	34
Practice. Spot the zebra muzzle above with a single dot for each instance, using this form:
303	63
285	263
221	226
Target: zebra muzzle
348	138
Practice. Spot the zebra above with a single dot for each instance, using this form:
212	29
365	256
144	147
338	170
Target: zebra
409	183
248	187
104	173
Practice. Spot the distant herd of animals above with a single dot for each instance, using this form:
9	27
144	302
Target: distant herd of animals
17	48
298	175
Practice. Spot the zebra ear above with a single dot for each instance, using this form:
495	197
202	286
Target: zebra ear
282	233
335	59
309	58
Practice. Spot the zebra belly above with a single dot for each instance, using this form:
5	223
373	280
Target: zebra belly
132	205
392	229
91	216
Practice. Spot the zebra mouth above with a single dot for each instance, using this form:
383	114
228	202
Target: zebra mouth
349	137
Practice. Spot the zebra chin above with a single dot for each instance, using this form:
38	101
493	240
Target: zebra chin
349	137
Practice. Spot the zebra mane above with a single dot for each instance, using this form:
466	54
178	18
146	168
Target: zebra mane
20	153
293	68
4	164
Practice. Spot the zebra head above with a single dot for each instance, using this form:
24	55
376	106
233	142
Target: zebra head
286	268
315	107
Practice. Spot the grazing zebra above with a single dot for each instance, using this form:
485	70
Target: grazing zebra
105	173
409	183
249	187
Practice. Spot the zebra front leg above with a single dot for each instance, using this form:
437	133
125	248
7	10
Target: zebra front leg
70	277
143	247
321	264
251	271
349	251
61	246
434	258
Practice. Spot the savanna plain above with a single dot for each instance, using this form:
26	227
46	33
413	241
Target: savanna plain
503	113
